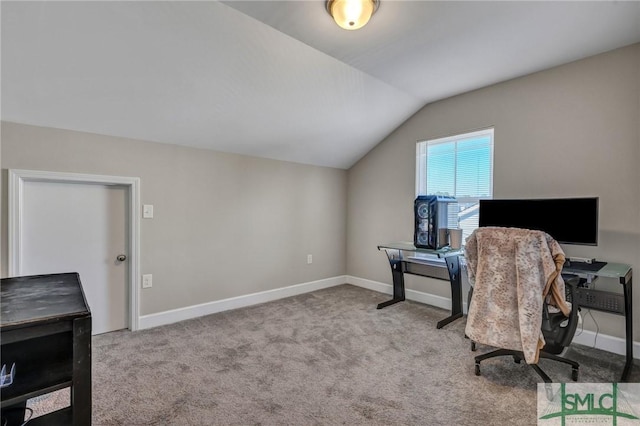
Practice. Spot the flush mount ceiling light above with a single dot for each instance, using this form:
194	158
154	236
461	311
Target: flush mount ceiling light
352	14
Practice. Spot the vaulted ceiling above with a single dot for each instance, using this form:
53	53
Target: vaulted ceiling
278	79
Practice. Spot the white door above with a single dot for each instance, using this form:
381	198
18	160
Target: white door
80	227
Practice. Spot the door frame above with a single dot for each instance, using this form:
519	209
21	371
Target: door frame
17	179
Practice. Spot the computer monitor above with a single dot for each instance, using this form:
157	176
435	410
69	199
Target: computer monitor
567	220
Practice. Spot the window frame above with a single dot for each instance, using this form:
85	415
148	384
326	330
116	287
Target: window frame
421	160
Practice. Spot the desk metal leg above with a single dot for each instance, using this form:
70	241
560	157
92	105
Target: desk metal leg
453	266
628	319
398	282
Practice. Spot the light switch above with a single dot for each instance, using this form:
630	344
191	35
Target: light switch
147	211
147	281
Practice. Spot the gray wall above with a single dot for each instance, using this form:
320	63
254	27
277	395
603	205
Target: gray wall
573	130
224	225
569	131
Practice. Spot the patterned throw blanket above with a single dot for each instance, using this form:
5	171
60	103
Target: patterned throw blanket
512	270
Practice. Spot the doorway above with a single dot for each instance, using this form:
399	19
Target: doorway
66	222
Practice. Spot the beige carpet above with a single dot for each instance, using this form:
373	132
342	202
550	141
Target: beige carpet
323	358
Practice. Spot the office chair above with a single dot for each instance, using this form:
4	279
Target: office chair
518	301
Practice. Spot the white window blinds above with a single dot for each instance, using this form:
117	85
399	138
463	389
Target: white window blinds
460	166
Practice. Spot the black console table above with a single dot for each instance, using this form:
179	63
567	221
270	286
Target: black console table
609	300
405	258
45	330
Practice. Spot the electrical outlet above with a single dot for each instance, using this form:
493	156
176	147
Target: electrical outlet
147	281
309	259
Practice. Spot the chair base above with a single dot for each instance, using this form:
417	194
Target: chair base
518	356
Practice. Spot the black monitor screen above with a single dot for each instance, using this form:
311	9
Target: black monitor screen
567	220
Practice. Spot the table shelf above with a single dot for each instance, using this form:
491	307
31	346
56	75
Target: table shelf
61	417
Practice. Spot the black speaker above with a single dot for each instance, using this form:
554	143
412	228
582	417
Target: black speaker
431	220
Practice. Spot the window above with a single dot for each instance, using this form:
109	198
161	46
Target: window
460	166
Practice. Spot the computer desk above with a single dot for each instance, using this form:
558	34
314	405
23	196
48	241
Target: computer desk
600	299
405	258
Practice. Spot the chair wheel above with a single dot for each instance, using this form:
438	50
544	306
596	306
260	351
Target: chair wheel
574	374
473	346
477	369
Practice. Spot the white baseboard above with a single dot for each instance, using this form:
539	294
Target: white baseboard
417	296
605	342
616	345
189	312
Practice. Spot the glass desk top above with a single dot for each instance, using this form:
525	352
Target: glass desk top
610	270
408	246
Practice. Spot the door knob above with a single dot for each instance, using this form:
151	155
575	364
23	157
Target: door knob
121	257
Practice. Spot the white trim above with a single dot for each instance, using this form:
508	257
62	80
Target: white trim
604	342
421	167
16	197
460	136
195	311
616	345
415	295
421	159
